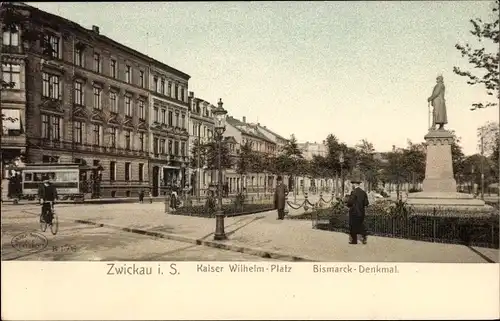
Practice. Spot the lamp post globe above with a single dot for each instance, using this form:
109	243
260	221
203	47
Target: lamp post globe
220	126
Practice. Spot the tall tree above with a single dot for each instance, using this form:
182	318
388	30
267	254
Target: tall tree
485	62
211	154
292	148
367	163
244	162
414	161
457	156
198	152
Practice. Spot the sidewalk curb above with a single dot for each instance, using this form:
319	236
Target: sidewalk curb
215	244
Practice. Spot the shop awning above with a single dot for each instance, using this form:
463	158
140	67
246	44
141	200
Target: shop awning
11	119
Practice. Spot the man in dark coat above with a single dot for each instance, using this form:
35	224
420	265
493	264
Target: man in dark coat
279	198
357	202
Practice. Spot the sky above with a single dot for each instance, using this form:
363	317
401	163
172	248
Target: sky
358	70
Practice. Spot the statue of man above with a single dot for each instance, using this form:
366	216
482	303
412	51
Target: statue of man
437	98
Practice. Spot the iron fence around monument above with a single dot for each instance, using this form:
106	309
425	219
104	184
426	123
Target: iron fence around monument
440	226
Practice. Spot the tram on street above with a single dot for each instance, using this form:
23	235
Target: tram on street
69	179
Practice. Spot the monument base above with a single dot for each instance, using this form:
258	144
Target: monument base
458	203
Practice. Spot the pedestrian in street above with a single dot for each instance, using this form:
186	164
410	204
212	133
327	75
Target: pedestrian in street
357	203
173	199
280	197
150	197
141	196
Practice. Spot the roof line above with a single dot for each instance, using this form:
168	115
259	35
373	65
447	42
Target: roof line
71	23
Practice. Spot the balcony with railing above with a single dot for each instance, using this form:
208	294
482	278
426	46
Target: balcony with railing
78	147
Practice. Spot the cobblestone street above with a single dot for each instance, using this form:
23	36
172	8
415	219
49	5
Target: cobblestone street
80	242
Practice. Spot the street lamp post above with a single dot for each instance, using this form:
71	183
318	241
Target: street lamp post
341	160
220	126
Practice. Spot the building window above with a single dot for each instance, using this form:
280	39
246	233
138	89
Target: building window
141	142
11	74
112	69
170	89
183	149
141	172
162	146
113	102
155	146
79	56
163	86
112	136
128	106
78	132
141	109
128	74
141	79
112	171
170	118
79	96
176	148
156	115
45	127
128	133
163	116
170	147
51	86
97	62
127	171
182	93
51	43
97	98
10	38
176	91
183	121
176	119
51	127
155	84
97	134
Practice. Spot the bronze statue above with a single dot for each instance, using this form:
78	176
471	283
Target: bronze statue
439	116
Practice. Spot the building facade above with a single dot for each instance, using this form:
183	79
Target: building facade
85	98
201	131
244	133
169	119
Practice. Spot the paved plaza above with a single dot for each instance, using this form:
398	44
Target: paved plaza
144	232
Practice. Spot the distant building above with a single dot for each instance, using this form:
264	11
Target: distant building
310	149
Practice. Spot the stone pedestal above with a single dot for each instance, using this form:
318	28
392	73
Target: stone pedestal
439	186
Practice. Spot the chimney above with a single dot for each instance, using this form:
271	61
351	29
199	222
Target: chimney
95	29
191	94
244	119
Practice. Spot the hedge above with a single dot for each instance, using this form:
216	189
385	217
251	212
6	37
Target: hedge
438	226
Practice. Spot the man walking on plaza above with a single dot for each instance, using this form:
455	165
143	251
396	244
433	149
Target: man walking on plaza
357	202
280	198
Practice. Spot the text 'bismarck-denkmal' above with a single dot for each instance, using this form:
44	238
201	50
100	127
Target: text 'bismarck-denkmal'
243	268
359	268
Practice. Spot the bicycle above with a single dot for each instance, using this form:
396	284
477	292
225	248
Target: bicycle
54	227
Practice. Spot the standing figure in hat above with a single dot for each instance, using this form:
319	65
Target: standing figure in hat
280	198
357	202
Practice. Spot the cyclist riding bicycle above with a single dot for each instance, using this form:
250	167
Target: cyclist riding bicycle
47	196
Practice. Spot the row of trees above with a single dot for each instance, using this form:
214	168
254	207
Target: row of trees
401	165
